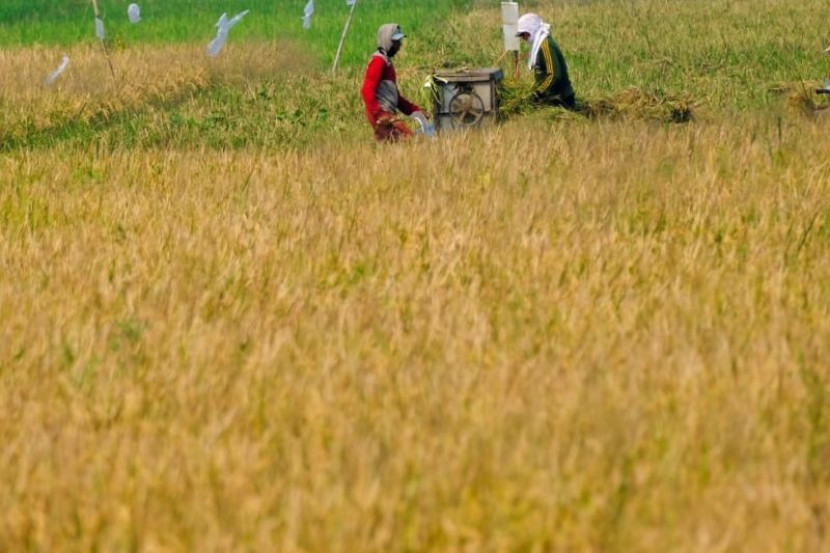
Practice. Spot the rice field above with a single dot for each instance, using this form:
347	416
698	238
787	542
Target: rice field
70	22
229	321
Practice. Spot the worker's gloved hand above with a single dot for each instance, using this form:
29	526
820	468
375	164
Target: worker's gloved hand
387	120
390	127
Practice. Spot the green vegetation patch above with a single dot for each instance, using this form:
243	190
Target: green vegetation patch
46	22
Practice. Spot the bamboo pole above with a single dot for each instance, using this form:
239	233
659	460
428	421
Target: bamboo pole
343	38
103	41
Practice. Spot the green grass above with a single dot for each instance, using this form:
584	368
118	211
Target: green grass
721	58
47	22
726	54
220	117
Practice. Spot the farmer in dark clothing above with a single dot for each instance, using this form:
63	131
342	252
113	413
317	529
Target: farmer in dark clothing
553	86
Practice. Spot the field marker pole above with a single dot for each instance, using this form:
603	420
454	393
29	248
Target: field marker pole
343	38
826	52
103	40
510	26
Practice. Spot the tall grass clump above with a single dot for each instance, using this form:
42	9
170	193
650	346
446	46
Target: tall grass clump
613	341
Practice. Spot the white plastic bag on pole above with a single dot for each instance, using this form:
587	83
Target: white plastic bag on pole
99	29
222	27
217	43
308	11
236	19
134	13
53	76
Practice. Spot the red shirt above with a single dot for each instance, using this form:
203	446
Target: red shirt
381	69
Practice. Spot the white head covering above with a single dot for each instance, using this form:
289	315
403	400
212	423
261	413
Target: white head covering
538	30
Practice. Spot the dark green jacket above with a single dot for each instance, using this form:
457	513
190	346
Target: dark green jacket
553	86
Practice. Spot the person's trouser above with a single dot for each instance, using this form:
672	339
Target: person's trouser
568	102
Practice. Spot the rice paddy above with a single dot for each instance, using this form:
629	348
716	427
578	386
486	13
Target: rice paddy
232	322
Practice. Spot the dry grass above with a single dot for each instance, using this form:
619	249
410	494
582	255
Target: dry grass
146	76
560	334
633	103
630	104
803	96
615	340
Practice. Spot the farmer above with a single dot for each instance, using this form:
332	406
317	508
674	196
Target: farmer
553	87
380	89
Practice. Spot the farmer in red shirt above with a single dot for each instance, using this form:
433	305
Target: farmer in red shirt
380	89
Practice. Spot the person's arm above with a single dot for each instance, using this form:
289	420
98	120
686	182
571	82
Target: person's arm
545	70
370	87
407	107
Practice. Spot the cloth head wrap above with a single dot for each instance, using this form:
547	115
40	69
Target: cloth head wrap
387	34
538	30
